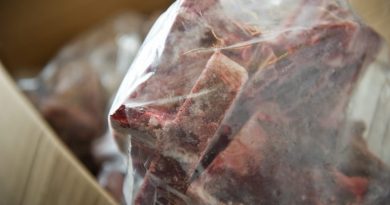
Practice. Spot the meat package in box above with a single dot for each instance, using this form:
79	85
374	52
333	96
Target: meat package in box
74	90
253	102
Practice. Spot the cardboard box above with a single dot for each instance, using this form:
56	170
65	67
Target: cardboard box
35	167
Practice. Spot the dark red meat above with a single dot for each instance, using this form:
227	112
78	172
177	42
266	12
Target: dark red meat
234	116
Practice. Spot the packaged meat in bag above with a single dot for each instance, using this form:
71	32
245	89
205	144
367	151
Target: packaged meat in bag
256	102
74	89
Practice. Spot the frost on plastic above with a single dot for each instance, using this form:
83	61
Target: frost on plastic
256	102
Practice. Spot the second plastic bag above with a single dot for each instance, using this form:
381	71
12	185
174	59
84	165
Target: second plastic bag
75	88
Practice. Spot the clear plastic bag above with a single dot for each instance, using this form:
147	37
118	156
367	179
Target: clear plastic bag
108	49
256	102
75	89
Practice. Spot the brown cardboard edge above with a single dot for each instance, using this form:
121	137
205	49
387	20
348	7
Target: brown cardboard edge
47	132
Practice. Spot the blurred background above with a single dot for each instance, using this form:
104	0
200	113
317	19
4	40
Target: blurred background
36	29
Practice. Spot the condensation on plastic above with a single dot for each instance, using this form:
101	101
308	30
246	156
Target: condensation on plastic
74	90
256	102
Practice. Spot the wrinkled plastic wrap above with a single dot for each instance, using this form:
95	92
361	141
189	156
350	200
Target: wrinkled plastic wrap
74	90
256	102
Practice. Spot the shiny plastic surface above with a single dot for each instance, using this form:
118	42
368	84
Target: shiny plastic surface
256	102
